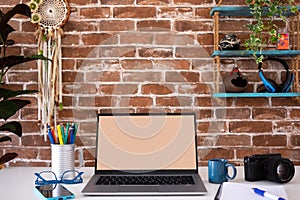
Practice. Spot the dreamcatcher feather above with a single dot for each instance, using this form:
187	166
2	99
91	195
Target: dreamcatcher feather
50	16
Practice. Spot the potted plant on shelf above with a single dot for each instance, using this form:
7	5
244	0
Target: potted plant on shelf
264	29
9	103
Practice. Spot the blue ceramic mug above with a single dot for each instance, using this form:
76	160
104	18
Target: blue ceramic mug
218	171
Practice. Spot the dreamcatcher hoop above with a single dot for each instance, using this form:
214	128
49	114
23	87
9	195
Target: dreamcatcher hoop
50	16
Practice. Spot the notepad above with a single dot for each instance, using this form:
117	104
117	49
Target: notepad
238	191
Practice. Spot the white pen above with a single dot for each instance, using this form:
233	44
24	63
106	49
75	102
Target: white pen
266	194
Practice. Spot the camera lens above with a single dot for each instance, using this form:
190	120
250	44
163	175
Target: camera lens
280	170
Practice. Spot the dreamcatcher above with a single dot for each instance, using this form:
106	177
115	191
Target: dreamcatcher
50	16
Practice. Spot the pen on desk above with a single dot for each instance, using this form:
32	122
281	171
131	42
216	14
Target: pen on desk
266	194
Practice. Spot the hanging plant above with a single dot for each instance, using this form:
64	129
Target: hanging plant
9	103
264	30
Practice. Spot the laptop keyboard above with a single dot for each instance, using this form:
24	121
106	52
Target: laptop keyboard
145	180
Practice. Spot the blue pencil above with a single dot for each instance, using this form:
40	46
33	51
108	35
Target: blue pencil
50	135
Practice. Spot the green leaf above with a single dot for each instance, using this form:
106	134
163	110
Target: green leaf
8	157
6	93
21	9
10	107
11	61
13	127
5	30
5	138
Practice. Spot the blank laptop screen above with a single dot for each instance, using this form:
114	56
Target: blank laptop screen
146	142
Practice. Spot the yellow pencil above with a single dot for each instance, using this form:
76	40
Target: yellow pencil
61	142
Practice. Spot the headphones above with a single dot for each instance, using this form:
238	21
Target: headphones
272	86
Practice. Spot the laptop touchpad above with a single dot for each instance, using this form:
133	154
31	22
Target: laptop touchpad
138	188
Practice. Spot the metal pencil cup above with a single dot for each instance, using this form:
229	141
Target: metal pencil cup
63	159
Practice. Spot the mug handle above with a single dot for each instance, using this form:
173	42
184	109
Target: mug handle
80	156
234	171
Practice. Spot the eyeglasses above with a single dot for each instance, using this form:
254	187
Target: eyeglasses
49	177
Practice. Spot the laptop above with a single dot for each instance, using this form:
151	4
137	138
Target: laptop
146	154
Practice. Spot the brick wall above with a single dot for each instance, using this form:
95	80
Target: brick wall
150	55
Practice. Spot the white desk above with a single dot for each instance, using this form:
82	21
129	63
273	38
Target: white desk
18	183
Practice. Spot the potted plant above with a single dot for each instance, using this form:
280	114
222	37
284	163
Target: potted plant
264	29
9	103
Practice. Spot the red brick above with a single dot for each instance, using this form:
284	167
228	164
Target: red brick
194	2
34	140
182	76
154	25
199	88
269	113
105	101
116	51
205	39
203	12
250	127
174	12
233	113
95	12
69	39
80	26
141	77
249	151
172	64
269	140
72	76
45	153
84	2
29	113
88	127
192	52
134	12
261	102
27	153
119	89
285	101
157	89
188	25
98	38
174	101
116	25
204	101
80	88
295	140
210	153
117	2
105	76
153	2
136	38
156	53
136	64
173	39
82	114
233	140
287	127
82	52
23	77
295	113
231	25
136	101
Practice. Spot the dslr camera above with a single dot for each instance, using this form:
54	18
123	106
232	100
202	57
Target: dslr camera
270	167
